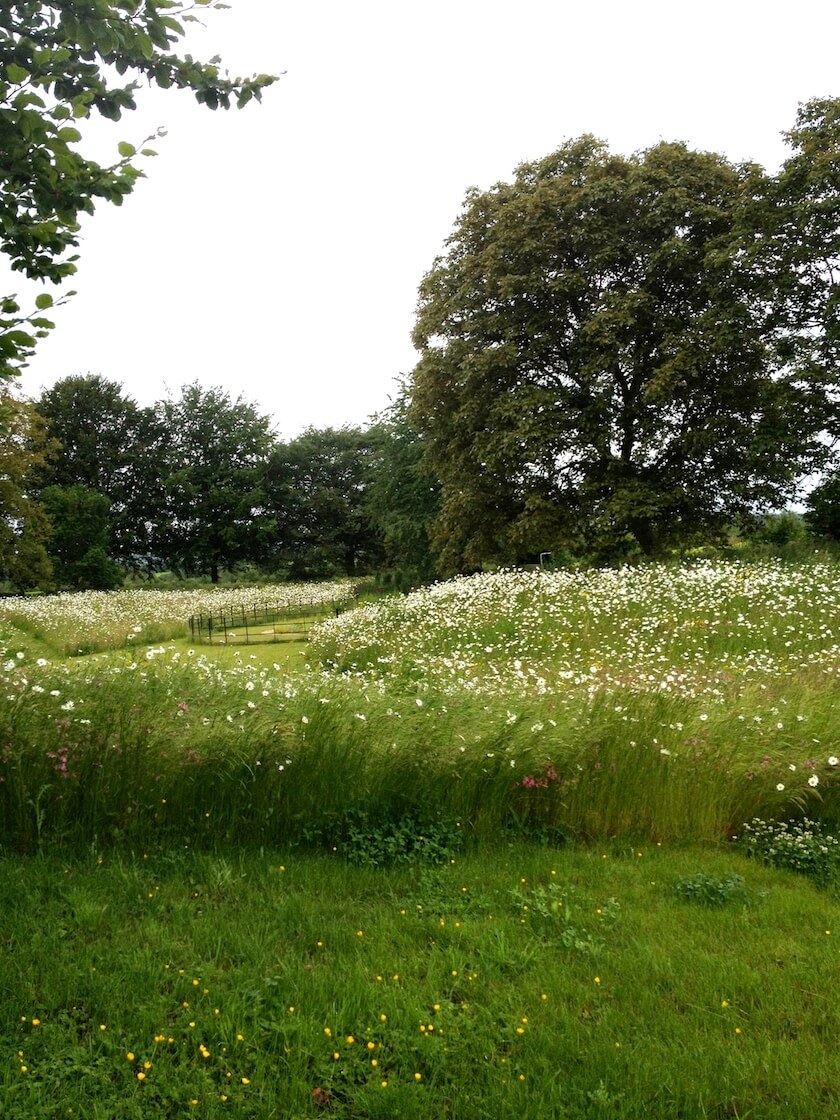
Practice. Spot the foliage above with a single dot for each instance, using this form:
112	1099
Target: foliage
330	502
797	246
402	497
710	890
25	453
577	925
96	425
80	538
822	514
110	445
778	529
60	62
796	845
601	358
317	486
212	472
404	841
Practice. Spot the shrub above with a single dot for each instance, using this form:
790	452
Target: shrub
800	846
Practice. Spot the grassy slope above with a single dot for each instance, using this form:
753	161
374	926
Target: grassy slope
495	978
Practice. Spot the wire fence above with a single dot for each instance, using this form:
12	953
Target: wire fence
261	622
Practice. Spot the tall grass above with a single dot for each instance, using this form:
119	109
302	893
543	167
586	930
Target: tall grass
74	624
176	750
669	704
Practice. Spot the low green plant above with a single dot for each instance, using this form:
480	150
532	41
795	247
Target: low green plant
796	845
710	890
577	923
403	841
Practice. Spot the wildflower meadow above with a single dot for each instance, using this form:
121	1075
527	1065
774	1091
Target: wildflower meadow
522	844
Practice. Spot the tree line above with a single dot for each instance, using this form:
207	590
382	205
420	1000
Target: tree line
97	487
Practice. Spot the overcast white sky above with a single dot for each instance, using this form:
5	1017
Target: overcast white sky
276	251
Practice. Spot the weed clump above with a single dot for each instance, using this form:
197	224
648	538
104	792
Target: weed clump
710	890
800	846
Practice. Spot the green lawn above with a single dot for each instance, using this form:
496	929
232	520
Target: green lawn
516	982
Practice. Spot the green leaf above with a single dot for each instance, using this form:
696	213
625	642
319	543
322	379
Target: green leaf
43	301
69	135
126	150
18	338
145	46
28	98
16	73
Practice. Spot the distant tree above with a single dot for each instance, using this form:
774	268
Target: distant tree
107	444
96	425
212	468
778	529
61	62
80	538
317	489
25	451
402	498
600	361
822	508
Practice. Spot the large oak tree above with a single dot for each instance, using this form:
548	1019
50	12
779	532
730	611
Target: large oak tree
602	358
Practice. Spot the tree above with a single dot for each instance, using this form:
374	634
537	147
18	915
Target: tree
96	425
110	445
58	64
822	513
402	498
597	364
798	245
317	485
212	469
25	451
80	538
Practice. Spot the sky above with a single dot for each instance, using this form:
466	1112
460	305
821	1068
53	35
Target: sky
276	252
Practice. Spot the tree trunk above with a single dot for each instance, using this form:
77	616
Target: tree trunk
642	529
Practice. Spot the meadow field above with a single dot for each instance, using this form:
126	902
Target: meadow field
522	844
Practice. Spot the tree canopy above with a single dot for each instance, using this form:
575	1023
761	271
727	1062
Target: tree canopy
26	450
213	453
60	62
401	497
611	351
317	494
80	537
108	444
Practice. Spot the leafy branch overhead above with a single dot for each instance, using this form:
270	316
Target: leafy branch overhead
61	63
